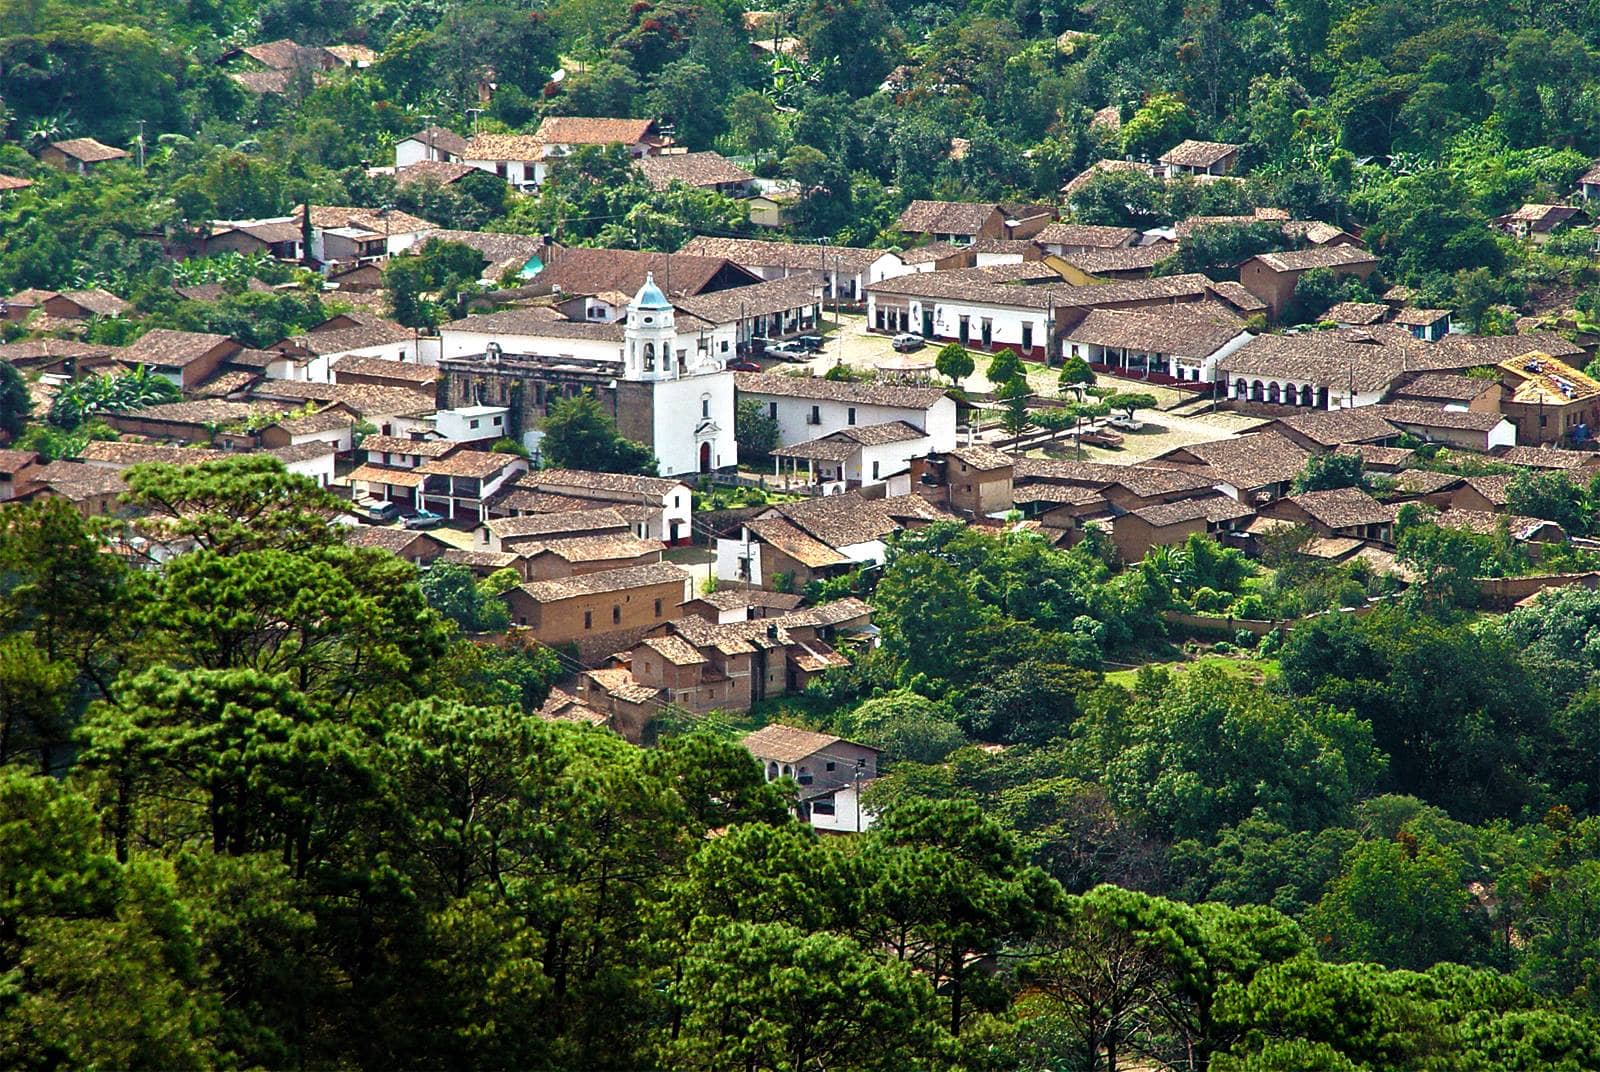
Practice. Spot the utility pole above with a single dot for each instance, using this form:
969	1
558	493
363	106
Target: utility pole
141	145
428	151
475	113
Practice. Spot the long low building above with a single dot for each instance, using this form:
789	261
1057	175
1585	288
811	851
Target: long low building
809	408
1027	308
846	270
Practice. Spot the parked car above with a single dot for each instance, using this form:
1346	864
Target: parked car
423	519
812	343
743	365
907	342
786	351
1125	422
1101	437
376	511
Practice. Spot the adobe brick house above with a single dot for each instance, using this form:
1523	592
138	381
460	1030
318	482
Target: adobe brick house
610	604
79	155
975	481
1548	400
1272	276
184	357
1137	531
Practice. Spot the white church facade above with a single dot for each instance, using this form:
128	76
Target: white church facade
660	373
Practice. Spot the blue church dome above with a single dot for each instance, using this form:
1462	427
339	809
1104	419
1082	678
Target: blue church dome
650	295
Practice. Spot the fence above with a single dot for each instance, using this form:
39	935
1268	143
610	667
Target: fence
1503	593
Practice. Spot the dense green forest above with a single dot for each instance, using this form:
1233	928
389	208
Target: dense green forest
1415	122
267	807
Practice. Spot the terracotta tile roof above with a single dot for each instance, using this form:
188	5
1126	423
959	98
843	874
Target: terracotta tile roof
440	138
1492	486
757	253
1350	312
1540	218
984	459
208	292
353	54
274	81
75	481
594	548
1425	481
1088	236
328	420
866	394
1236	295
1213	509
984	286
482	464
1321	358
795	543
1098	168
788	744
495	248
12	182
619	684
742	598
1376	457
392	222
442	172
366	399
675	650
379	474
1487	523
284	54
13	462
568	480
169	349
1469	351
1191	153
945	217
536	322
33	351
1548	458
474	559
1344	508
207	411
1438	417
1139	479
1167	329
561	523
593	130
405	371
395	541
615	580
695	169
1419	318
97	301
1249	461
88	151
498	147
1122	259
1300	260
760	299
932	252
425	448
1334	427
591	271
1444	386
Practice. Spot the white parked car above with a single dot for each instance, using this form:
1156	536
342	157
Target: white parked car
1124	422
907	342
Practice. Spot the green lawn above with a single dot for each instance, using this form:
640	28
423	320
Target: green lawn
1246	668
